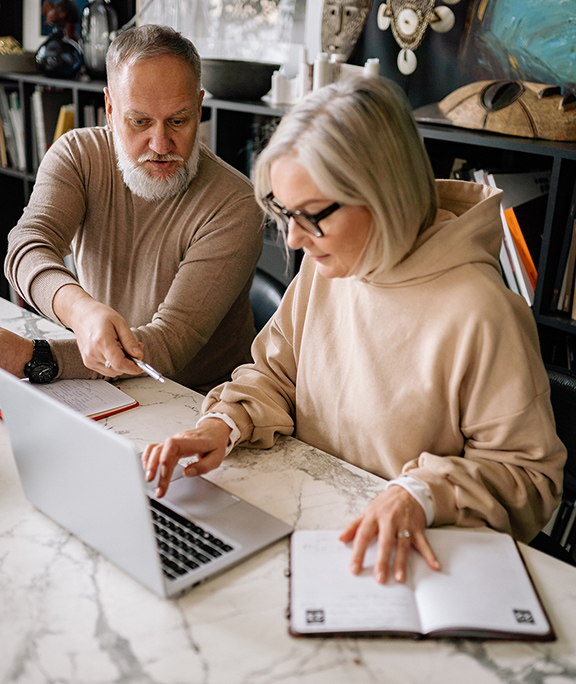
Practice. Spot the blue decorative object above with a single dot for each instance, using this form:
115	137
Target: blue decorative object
59	56
525	40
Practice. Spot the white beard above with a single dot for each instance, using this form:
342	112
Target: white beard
141	183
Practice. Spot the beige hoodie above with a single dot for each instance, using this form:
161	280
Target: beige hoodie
434	370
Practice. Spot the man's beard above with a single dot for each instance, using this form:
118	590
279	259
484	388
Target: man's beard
141	183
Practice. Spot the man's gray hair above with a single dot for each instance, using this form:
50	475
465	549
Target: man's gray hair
151	40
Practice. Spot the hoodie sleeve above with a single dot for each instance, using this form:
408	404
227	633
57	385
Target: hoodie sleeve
509	473
261	396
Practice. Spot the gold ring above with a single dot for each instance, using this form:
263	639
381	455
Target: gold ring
405	534
107	364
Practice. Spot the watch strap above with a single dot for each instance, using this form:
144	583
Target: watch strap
41	359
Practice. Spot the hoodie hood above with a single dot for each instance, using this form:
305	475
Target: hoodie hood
467	229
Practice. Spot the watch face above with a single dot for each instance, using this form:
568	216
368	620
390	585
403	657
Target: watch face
42	373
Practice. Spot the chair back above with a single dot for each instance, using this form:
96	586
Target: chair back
265	297
563	396
561	542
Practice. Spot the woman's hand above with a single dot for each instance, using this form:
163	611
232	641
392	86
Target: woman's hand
103	335
207	442
398	522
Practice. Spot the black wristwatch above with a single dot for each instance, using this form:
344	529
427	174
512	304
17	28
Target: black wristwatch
41	368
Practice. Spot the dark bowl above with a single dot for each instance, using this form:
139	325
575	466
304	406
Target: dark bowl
235	79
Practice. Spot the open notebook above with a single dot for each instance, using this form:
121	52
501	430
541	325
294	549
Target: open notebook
483	590
92	398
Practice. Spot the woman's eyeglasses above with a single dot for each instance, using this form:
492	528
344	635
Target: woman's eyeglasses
308	222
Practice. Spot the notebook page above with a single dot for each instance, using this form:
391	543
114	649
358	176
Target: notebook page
483	585
91	398
327	597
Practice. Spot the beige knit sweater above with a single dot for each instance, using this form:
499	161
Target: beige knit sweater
179	270
434	370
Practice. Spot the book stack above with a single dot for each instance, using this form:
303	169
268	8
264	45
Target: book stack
47	103
520	193
93	115
563	299
12	147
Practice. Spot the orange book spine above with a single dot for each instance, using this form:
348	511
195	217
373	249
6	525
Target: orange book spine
521	245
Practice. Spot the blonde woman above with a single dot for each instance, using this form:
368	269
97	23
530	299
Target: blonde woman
398	347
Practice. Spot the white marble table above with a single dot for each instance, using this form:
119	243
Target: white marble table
70	617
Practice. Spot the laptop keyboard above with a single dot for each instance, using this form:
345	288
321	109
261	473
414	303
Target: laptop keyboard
183	545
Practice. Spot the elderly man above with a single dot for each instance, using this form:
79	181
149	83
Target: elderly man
165	235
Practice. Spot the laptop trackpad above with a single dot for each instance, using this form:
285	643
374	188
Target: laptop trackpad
199	497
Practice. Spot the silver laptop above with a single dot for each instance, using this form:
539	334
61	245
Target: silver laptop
90	481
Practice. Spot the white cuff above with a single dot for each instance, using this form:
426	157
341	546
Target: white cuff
234	435
419	490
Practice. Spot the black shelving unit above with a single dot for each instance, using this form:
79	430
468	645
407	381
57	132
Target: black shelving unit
509	154
235	135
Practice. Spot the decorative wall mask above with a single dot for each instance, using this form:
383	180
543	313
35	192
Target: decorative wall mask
342	24
409	20
530	110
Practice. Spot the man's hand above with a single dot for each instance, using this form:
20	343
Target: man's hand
398	522
207	442
103	335
15	352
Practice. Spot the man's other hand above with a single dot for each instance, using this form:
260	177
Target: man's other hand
15	352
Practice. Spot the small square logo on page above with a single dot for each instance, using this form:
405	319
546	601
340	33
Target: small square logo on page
315	617
523	617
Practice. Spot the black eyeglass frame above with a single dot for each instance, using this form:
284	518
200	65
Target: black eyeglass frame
314	219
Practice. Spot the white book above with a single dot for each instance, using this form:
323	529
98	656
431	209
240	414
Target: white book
507	269
17	120
39	124
524	283
8	129
505	262
483	590
89	115
522	187
525	287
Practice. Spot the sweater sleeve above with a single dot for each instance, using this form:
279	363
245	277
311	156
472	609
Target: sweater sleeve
509	473
208	298
40	241
193	313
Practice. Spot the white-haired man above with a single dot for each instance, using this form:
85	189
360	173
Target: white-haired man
165	235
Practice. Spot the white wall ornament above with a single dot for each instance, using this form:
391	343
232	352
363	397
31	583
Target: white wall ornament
409	21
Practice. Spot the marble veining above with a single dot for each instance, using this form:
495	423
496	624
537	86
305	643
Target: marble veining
68	616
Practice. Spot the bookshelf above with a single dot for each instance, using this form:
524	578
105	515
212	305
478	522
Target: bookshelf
234	130
545	233
232	127
16	184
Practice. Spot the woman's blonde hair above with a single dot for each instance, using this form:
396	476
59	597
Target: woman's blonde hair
359	142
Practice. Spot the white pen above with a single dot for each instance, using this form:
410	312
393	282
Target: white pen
147	368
